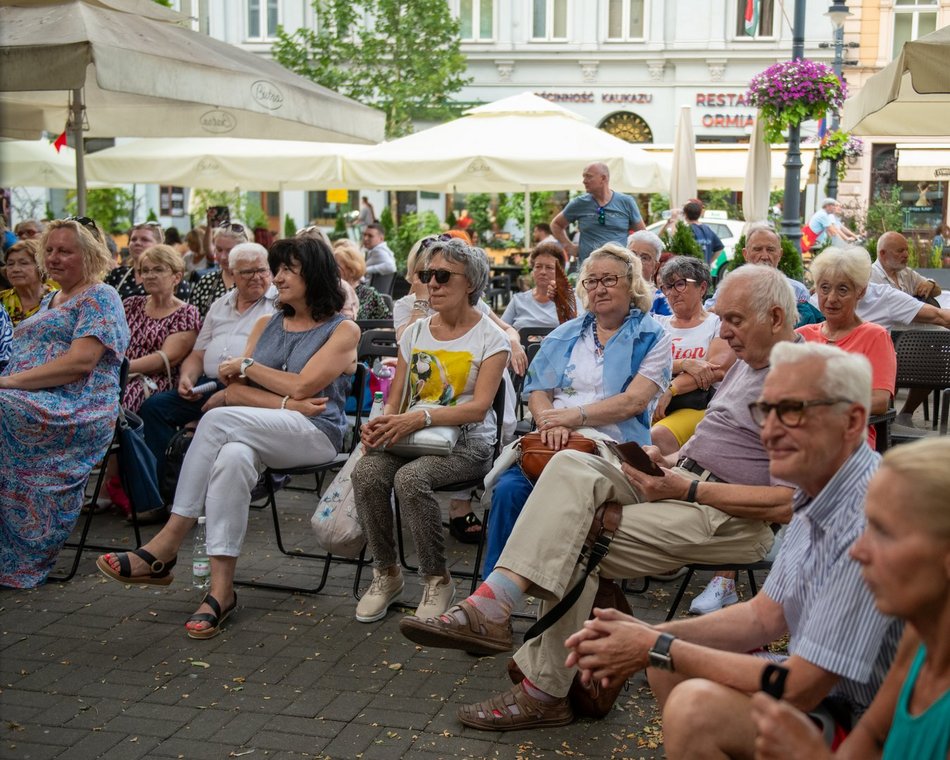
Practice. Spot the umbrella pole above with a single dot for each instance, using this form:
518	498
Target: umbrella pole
76	124
527	219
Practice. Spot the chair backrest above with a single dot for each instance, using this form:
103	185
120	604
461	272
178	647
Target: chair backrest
531	350
923	359
531	335
382	282
498	406
375	324
388	300
375	343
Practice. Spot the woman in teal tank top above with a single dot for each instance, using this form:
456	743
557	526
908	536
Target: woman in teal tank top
905	560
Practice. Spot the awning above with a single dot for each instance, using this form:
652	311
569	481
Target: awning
917	163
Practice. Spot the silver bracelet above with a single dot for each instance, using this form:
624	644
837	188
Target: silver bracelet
583	415
283	402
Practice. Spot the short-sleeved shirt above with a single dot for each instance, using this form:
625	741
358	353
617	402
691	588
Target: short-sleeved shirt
832	620
225	330
692	342
907	279
444	372
708	240
621	214
820	221
524	310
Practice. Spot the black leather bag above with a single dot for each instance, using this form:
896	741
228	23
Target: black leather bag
174	457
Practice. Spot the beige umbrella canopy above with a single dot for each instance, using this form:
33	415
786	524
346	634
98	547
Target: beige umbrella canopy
758	178
36	163
910	96
683	179
128	69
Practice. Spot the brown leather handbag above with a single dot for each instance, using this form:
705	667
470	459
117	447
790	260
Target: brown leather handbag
535	455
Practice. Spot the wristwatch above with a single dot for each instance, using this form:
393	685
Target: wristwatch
660	654
427	422
245	366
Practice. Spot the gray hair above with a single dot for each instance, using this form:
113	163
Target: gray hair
246	252
829	201
766	288
754	227
854	264
475	261
641	293
651	239
847	374
685	267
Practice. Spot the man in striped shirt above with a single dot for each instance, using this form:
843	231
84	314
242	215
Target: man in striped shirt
813	414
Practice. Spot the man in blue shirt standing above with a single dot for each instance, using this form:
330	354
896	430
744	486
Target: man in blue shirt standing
603	216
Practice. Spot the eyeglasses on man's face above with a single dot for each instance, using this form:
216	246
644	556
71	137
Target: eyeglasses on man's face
247	274
790	412
679	286
441	276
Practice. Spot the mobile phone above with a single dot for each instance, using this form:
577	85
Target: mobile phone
218	215
633	454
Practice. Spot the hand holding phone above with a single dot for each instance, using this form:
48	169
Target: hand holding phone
634	455
218	216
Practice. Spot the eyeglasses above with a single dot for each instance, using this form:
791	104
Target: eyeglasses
608	281
601	215
430	241
249	273
85	221
790	413
679	286
146	271
441	275
843	291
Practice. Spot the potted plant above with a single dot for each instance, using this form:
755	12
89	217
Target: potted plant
790	92
838	145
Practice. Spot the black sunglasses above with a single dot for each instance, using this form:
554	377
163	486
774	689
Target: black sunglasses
441	275
234	227
85	221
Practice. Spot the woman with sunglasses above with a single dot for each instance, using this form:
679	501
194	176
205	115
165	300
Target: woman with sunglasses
282	407
125	278
28	282
700	357
59	399
220	280
600	374
452	361
904	555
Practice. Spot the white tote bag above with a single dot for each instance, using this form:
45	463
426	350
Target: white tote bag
336	523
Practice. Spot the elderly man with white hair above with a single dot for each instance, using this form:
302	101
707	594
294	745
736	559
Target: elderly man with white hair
223	334
648	247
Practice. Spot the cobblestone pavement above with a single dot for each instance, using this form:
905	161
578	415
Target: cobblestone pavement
92	668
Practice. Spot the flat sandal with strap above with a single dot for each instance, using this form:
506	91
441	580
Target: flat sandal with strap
214	619
159	571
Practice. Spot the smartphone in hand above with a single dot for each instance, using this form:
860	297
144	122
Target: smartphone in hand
634	455
218	216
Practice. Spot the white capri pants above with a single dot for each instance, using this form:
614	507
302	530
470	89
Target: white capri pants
231	448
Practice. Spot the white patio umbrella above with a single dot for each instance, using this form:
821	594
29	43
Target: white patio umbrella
908	97
683	179
724	166
223	163
758	177
35	163
126	68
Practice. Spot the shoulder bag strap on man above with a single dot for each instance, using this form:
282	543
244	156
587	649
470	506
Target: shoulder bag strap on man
605	524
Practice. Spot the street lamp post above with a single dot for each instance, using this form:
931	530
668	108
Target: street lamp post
791	202
838	13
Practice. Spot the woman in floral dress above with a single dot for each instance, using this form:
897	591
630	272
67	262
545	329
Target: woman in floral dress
59	398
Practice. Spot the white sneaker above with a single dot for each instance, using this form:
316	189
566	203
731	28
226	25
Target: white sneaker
383	591
437	597
721	592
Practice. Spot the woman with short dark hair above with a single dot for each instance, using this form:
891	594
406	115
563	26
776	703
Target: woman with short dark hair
282	407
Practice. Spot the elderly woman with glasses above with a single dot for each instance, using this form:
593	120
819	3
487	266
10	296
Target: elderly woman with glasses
221	280
28	281
452	363
600	374
125	278
538	307
700	357
59	398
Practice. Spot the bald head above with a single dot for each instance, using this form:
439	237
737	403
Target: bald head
892	252
763	246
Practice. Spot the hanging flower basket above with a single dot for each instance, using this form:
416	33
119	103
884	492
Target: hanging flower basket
790	92
837	146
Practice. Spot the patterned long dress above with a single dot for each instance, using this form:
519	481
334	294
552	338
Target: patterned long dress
147	336
51	439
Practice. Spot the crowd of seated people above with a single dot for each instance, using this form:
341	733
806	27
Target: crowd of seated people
774	432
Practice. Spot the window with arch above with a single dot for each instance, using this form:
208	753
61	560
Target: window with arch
628	126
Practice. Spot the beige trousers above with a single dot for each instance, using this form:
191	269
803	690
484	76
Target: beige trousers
654	537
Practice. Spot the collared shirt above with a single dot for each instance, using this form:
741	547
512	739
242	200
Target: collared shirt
380	260
832	620
907	279
225	329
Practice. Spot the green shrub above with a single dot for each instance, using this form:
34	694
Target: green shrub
683	243
411	228
790	264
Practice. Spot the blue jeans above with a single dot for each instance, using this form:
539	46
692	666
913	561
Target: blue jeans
508	499
163	414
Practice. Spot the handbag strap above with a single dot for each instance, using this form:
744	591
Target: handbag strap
605	524
168	366
404	399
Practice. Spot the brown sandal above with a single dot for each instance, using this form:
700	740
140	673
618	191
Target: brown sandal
515	710
477	635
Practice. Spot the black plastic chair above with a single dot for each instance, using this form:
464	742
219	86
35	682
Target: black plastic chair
923	361
377	343
320	471
81	545
375	324
382	282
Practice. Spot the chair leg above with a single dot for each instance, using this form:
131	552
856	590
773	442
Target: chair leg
480	551
679	594
753	587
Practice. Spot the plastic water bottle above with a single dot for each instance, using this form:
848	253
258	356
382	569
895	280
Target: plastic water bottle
377	408
200	563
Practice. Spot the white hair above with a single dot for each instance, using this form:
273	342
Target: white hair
651	239
766	288
246	252
846	374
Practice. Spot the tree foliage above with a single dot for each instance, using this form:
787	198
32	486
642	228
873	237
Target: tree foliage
411	228
113	208
401	56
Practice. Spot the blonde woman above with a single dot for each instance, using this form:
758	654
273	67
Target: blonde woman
352	269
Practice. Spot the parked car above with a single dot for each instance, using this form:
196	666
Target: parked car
728	231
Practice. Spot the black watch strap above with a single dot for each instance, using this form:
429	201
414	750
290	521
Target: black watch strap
660	653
